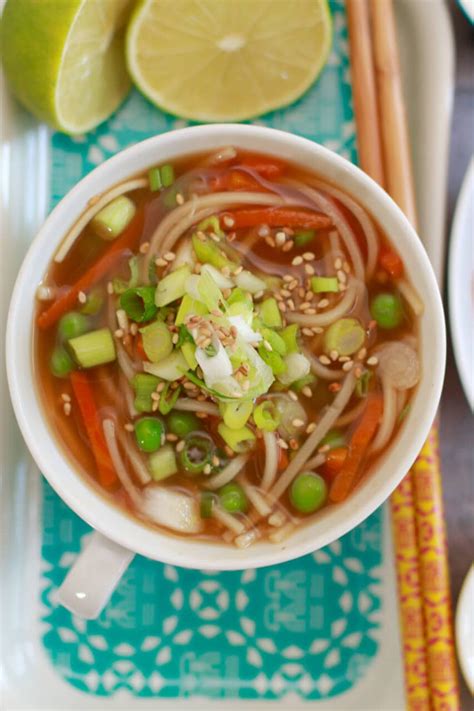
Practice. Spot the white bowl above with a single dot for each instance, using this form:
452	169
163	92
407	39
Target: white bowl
333	521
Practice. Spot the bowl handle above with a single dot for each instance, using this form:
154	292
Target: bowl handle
94	576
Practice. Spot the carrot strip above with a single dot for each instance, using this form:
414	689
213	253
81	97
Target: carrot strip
361	437
335	459
283	459
391	262
139	349
262	165
96	272
84	395
279	217
235	179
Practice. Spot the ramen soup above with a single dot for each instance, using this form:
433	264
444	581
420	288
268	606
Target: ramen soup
226	345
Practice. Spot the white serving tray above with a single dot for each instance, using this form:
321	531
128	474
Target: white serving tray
28	679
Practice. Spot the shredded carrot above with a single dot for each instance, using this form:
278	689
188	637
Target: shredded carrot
279	217
391	262
262	165
84	394
335	459
283	459
96	272
140	351
360	440
235	179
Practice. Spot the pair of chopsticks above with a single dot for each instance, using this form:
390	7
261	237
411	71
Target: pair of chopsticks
416	505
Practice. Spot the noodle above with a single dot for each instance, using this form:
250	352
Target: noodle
351	415
228	520
388	418
322	371
228	473
410	295
129	397
324	319
322	428
247	538
125	362
255	498
92	211
136	461
187	404
111	441
315	462
271	460
362	217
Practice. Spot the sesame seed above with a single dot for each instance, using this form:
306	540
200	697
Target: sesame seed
238	270
307	392
160	262
263	231
202	415
280	239
348	366
122	319
373	360
160	387
155	405
317	330
175	338
267	345
81	297
338	263
310	312
344	359
230	452
311	427
358	372
324	360
118	333
231	236
258	295
305	305
288	246
307	332
342	276
144	247
301	292
228	221
361	354
296	261
134	329
297	422
293	284
324	448
65	397
169	256
293	395
155	396
291	304
346	267
282	444
215	237
309	296
67	407
334	355
270	241
308	256
179	199
172	437
180	446
287	277
282	306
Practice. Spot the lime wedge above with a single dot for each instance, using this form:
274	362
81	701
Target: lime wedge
64	60
227	60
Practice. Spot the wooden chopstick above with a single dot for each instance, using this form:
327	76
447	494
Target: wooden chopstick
384	153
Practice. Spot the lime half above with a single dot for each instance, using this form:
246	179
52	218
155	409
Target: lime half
64	60
227	60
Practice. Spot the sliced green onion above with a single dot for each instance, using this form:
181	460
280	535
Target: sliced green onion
93	348
240	440
236	414
154	179
197	453
277	343
144	385
172	286
173	367
189	307
157	341
270	313
207	503
94	303
321	284
363	383
272	359
242	298
168	399
188	350
346	336
304	237
162	463
61	363
290	336
305	381
208	252
233	499
333	439
72	324
212	224
139	303
149	433
167	175
266	416
182	423
120	285
114	217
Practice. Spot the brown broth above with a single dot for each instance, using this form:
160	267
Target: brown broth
256	254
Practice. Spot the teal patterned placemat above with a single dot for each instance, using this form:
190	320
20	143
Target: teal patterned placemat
308	628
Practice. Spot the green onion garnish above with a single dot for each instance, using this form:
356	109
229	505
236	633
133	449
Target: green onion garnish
144	385
321	284
266	416
154	178
197	452
168	399
304	237
93	348
207	503
139	303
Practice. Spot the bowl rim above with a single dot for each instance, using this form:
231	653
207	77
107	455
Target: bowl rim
59	469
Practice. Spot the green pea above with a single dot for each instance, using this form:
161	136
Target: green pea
149	433
72	324
61	362
334	438
387	310
182	423
308	492
233	498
